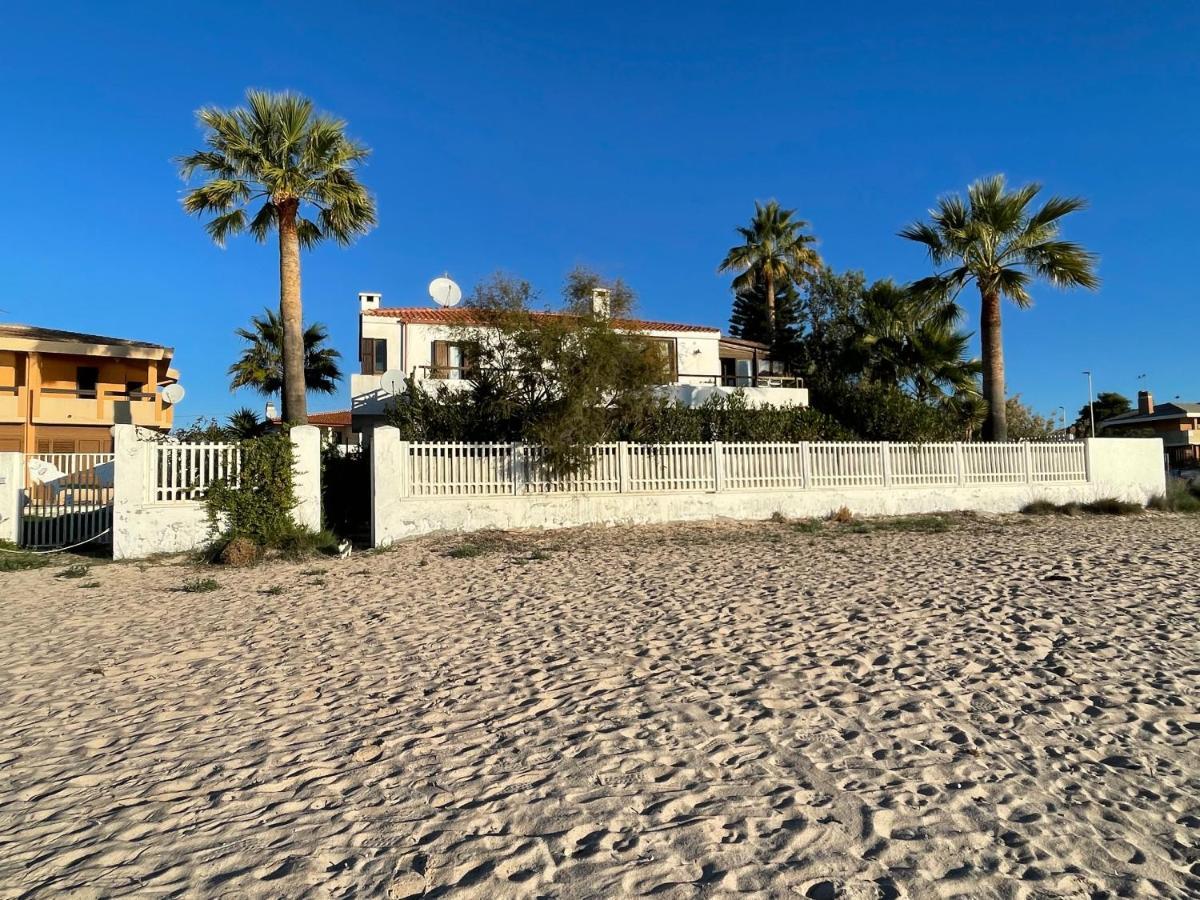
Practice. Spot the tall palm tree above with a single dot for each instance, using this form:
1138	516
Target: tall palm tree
261	364
774	250
995	240
302	167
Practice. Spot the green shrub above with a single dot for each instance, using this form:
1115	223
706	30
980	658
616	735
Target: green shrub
78	570
200	585
1040	508
1111	506
259	506
1181	496
14	559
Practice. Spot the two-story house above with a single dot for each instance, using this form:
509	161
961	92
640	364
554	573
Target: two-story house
1178	424
426	343
62	391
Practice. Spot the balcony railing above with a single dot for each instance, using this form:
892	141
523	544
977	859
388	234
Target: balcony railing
761	380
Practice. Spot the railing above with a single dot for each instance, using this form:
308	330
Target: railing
183	472
762	379
466	470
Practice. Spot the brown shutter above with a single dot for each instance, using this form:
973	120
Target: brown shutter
673	356
366	356
440	354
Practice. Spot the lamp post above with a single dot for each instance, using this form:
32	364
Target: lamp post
1091	405
1063	410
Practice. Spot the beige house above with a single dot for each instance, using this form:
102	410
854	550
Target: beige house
62	391
426	343
1178	424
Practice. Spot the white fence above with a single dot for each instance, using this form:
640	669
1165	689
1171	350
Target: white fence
469	470
67	499
183	472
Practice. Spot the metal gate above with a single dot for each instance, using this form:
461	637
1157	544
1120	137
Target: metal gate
67	499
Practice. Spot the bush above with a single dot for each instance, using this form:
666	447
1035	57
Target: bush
240	551
1181	496
1111	506
259	506
14	559
200	585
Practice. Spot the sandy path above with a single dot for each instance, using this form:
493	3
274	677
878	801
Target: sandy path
1005	710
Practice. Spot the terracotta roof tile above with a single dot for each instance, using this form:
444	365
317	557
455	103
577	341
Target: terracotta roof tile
338	417
465	315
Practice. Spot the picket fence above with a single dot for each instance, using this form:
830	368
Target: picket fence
183	472
451	469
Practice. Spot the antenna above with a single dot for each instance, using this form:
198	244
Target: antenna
392	382
445	292
173	393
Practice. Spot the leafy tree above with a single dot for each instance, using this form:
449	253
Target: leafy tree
261	365
1026	425
774	251
245	424
1107	404
302	167
995	240
560	381
829	327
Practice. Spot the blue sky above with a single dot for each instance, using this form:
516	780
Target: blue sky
628	137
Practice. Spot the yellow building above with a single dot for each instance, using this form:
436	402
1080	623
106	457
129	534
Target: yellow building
62	391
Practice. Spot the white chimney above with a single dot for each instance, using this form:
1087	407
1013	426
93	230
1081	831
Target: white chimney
270	412
601	302
368	300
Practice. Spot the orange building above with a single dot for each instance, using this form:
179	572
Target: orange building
62	391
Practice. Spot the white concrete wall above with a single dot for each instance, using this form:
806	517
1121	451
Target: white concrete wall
12	481
141	526
144	527
1129	469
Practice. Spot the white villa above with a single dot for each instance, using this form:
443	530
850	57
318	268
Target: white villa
425	343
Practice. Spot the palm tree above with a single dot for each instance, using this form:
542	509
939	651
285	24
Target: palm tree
245	424
302	167
911	340
774	250
261	364
995	240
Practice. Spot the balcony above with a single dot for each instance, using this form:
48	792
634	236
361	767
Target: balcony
78	406
12	404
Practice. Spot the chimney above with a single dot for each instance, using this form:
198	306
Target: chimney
1145	403
368	300
601	302
270	411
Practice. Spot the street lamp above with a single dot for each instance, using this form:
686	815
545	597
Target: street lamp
1063	410
1091	405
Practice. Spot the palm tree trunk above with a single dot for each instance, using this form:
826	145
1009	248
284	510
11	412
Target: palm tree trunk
293	395
995	426
771	307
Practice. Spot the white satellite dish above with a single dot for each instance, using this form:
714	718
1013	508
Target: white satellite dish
392	381
173	393
445	292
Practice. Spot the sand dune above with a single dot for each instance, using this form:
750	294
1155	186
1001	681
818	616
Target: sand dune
1005	710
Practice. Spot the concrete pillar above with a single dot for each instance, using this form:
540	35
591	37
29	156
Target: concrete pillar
1126	468
306	476
387	469
12	483
131	488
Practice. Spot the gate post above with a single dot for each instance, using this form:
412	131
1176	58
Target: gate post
132	477
306	476
12	484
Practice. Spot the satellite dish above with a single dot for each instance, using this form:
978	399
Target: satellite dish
445	292
173	393
392	382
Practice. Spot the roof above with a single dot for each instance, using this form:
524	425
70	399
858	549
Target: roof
35	333
745	342
339	417
1161	411
466	315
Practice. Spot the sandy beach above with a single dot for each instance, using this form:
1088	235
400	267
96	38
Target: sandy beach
1005	709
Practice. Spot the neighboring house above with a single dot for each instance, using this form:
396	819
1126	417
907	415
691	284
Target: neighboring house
335	427
426	343
1178	424
62	391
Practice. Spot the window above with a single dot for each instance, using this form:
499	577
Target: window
666	348
451	360
86	378
373	356
133	388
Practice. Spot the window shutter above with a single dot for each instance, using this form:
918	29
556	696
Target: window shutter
673	360
64	447
440	354
43	446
